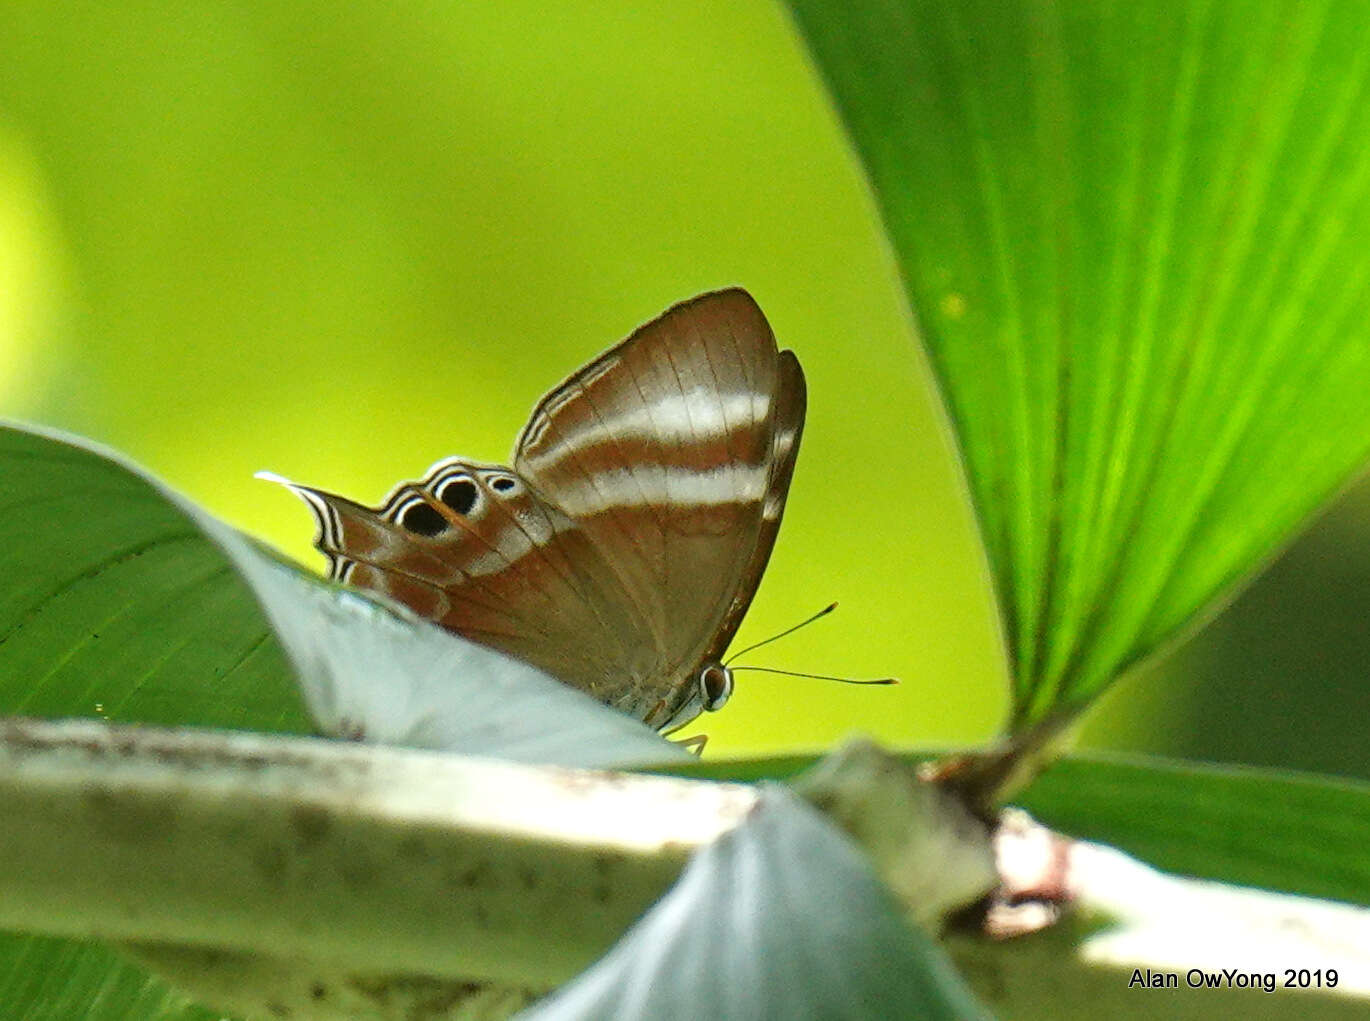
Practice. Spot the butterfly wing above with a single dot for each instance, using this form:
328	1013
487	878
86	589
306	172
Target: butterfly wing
621	551
673	452
786	431
474	549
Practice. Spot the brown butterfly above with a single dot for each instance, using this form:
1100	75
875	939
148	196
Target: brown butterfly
621	549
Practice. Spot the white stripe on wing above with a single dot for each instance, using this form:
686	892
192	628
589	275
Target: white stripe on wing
668	488
704	413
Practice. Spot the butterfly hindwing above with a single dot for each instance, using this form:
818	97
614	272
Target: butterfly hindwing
473	549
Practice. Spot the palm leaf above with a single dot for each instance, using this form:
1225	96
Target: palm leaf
1134	239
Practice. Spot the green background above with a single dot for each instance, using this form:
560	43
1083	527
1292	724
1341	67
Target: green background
340	244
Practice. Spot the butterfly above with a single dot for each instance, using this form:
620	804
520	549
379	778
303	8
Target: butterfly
620	549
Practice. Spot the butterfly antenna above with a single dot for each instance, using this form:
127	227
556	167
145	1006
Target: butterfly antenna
788	631
820	677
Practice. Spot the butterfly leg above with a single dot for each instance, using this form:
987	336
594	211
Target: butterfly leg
694	744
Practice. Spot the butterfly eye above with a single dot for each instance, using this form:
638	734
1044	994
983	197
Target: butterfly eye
460	494
421	519
715	684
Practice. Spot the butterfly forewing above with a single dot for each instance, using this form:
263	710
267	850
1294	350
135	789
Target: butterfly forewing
663	449
621	550
787	430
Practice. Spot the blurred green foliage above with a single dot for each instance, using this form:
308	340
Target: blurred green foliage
343	242
1135	241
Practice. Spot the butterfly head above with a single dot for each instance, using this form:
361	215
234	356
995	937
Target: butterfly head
713	686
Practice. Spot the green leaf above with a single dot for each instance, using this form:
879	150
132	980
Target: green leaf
114	603
57	980
1133	237
157	612
1299	833
780	917
120	600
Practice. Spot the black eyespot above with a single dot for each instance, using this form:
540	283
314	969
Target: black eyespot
422	519
502	483
459	494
